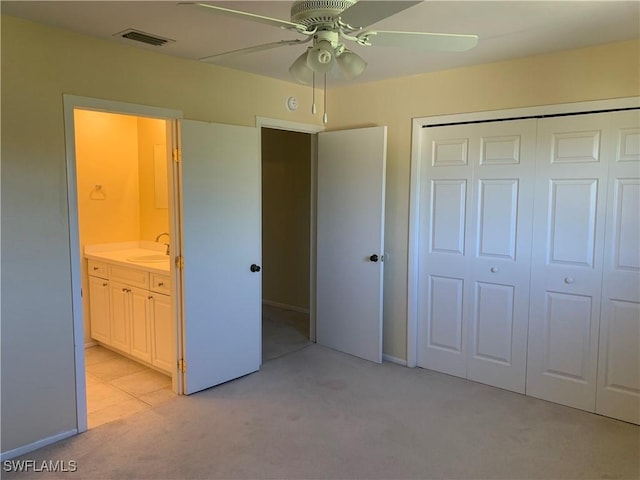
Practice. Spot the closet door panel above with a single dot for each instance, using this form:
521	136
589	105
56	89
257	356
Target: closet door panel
499	251
443	268
618	390
566	282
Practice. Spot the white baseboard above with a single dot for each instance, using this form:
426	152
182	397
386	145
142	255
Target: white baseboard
285	306
16	452
392	359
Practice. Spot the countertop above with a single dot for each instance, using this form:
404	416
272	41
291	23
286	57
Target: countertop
120	254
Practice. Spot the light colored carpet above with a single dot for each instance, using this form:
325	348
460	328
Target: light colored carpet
317	413
283	332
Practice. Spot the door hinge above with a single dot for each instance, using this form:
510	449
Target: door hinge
182	365
177	155
180	262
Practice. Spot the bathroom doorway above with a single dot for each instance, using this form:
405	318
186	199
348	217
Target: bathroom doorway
122	176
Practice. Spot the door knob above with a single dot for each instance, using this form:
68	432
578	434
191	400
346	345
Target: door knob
254	267
373	258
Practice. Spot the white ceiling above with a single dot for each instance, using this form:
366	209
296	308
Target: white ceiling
507	29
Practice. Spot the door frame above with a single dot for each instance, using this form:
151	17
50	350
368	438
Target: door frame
313	130
413	254
70	103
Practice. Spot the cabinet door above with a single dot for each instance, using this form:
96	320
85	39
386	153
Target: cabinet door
162	329
119	306
99	309
139	319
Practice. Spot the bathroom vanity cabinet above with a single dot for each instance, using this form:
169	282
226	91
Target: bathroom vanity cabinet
130	309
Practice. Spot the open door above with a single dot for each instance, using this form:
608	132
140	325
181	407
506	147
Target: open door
350	240
221	223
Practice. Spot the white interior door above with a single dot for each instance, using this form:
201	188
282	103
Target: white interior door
566	281
475	242
350	240
221	221
618	385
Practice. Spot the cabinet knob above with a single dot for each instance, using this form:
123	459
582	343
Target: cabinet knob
494	269
95	268
161	284
150	297
105	284
254	268
568	280
373	258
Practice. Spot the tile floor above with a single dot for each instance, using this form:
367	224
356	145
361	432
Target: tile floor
118	387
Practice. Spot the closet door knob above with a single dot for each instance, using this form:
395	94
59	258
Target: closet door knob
254	268
373	258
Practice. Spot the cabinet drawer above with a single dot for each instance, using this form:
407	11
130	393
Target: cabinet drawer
130	276
161	283
96	268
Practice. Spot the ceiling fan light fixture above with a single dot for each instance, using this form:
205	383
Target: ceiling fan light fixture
299	69
321	57
351	64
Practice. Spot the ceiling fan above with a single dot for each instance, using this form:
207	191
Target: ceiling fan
329	24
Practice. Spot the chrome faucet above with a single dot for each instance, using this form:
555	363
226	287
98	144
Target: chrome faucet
168	238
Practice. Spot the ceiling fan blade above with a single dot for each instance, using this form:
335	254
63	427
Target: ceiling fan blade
448	42
274	22
365	13
257	48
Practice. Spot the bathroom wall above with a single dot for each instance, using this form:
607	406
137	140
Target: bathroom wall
286	191
154	211
107	155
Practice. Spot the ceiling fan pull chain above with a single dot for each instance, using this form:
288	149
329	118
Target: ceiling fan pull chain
324	117
313	94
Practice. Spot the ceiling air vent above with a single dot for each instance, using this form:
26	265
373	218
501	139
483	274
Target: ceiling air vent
143	37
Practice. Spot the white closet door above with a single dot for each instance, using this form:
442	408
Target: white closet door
618	391
475	250
447	173
500	250
569	214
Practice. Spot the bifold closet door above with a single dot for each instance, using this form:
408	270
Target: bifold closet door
618	384
477	197
574	154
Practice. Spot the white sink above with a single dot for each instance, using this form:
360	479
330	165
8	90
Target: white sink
149	258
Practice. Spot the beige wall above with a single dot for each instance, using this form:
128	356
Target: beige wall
39	64
603	72
107	155
286	196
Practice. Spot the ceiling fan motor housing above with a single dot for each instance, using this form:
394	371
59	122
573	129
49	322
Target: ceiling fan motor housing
318	13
